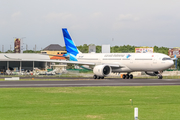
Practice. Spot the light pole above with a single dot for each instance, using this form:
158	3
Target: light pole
112	46
22	48
11	46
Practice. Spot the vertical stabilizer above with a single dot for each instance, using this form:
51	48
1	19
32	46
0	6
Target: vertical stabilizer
69	43
71	48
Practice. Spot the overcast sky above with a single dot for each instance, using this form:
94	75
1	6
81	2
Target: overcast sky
127	22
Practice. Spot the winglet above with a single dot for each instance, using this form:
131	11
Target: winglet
6	56
12	58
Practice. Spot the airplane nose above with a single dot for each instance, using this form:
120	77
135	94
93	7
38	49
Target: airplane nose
171	63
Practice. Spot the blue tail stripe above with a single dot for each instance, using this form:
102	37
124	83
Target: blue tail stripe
66	34
70	46
72	49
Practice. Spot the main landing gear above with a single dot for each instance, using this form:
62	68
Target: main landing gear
98	77
127	76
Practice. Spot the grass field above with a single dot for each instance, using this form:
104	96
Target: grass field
90	103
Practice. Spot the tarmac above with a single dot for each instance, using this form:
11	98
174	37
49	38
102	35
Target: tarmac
90	82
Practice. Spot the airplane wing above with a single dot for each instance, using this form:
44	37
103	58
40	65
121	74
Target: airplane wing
60	61
68	62
77	62
56	61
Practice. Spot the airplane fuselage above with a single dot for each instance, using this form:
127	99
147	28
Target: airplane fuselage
129	62
104	63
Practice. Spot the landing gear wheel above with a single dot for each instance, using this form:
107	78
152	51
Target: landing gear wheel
102	77
124	76
160	76
98	77
131	76
95	76
127	76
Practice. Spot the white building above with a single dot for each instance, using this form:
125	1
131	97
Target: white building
22	62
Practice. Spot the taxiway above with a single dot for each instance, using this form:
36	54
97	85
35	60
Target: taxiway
83	83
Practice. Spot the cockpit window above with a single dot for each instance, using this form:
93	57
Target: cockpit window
166	59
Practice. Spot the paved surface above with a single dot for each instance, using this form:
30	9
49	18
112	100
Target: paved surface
80	83
44	78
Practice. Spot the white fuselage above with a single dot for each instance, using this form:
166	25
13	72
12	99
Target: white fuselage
129	62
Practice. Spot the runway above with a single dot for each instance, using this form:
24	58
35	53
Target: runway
84	83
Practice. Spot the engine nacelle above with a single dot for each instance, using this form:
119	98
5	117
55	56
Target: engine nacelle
102	70
155	73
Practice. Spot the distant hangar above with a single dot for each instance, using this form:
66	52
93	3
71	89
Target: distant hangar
25	61
29	61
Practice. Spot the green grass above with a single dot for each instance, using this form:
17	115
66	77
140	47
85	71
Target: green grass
90	103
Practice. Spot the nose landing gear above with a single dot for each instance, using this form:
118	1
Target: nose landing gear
160	76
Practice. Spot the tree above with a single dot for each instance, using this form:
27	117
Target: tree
31	51
163	50
9	51
98	49
83	49
178	64
70	66
121	49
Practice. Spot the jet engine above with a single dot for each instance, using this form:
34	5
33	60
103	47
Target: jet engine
155	73
102	70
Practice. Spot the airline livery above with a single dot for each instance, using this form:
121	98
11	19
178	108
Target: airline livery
103	64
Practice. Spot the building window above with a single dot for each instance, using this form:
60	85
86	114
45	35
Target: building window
44	52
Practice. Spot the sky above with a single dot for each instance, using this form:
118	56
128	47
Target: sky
114	22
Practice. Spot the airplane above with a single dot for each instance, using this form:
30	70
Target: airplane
103	64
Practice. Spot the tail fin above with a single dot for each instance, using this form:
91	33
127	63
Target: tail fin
69	43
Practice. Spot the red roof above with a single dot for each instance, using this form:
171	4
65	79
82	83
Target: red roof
57	57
